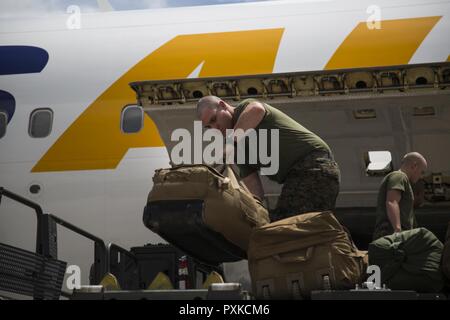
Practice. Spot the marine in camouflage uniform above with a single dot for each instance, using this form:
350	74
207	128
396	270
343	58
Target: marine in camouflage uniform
307	169
311	185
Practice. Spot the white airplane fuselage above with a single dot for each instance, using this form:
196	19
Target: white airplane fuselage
97	177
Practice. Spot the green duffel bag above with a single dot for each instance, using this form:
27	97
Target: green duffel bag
409	260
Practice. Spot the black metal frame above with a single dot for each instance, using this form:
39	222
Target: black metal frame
118	262
111	258
47	236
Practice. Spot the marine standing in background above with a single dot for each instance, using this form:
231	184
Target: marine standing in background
395	205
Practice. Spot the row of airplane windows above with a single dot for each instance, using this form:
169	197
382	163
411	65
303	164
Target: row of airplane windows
132	119
378	163
41	121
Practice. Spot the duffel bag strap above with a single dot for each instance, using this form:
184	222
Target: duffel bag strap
229	171
296	258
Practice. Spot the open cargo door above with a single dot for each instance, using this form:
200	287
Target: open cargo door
369	117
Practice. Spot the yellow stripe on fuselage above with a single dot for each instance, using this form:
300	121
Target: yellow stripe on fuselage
393	44
94	141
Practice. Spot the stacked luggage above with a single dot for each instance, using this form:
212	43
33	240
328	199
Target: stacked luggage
206	213
214	218
292	257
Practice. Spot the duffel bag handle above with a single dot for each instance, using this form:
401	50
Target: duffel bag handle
228	171
293	259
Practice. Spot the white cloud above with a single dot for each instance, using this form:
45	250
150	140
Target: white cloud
33	8
19	7
104	5
156	3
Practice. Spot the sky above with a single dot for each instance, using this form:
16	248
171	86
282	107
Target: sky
10	8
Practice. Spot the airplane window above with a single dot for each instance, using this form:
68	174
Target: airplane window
41	121
3	123
364	114
424	111
378	163
132	119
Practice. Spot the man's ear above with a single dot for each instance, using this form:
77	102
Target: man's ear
222	104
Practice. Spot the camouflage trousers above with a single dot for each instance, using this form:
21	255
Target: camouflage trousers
311	185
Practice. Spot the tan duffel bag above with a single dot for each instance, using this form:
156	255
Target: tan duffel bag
292	257
228	207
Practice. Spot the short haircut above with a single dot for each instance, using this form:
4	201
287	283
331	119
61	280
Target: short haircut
211	102
412	158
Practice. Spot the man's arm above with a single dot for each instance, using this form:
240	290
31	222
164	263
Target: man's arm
253	183
393	198
251	116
